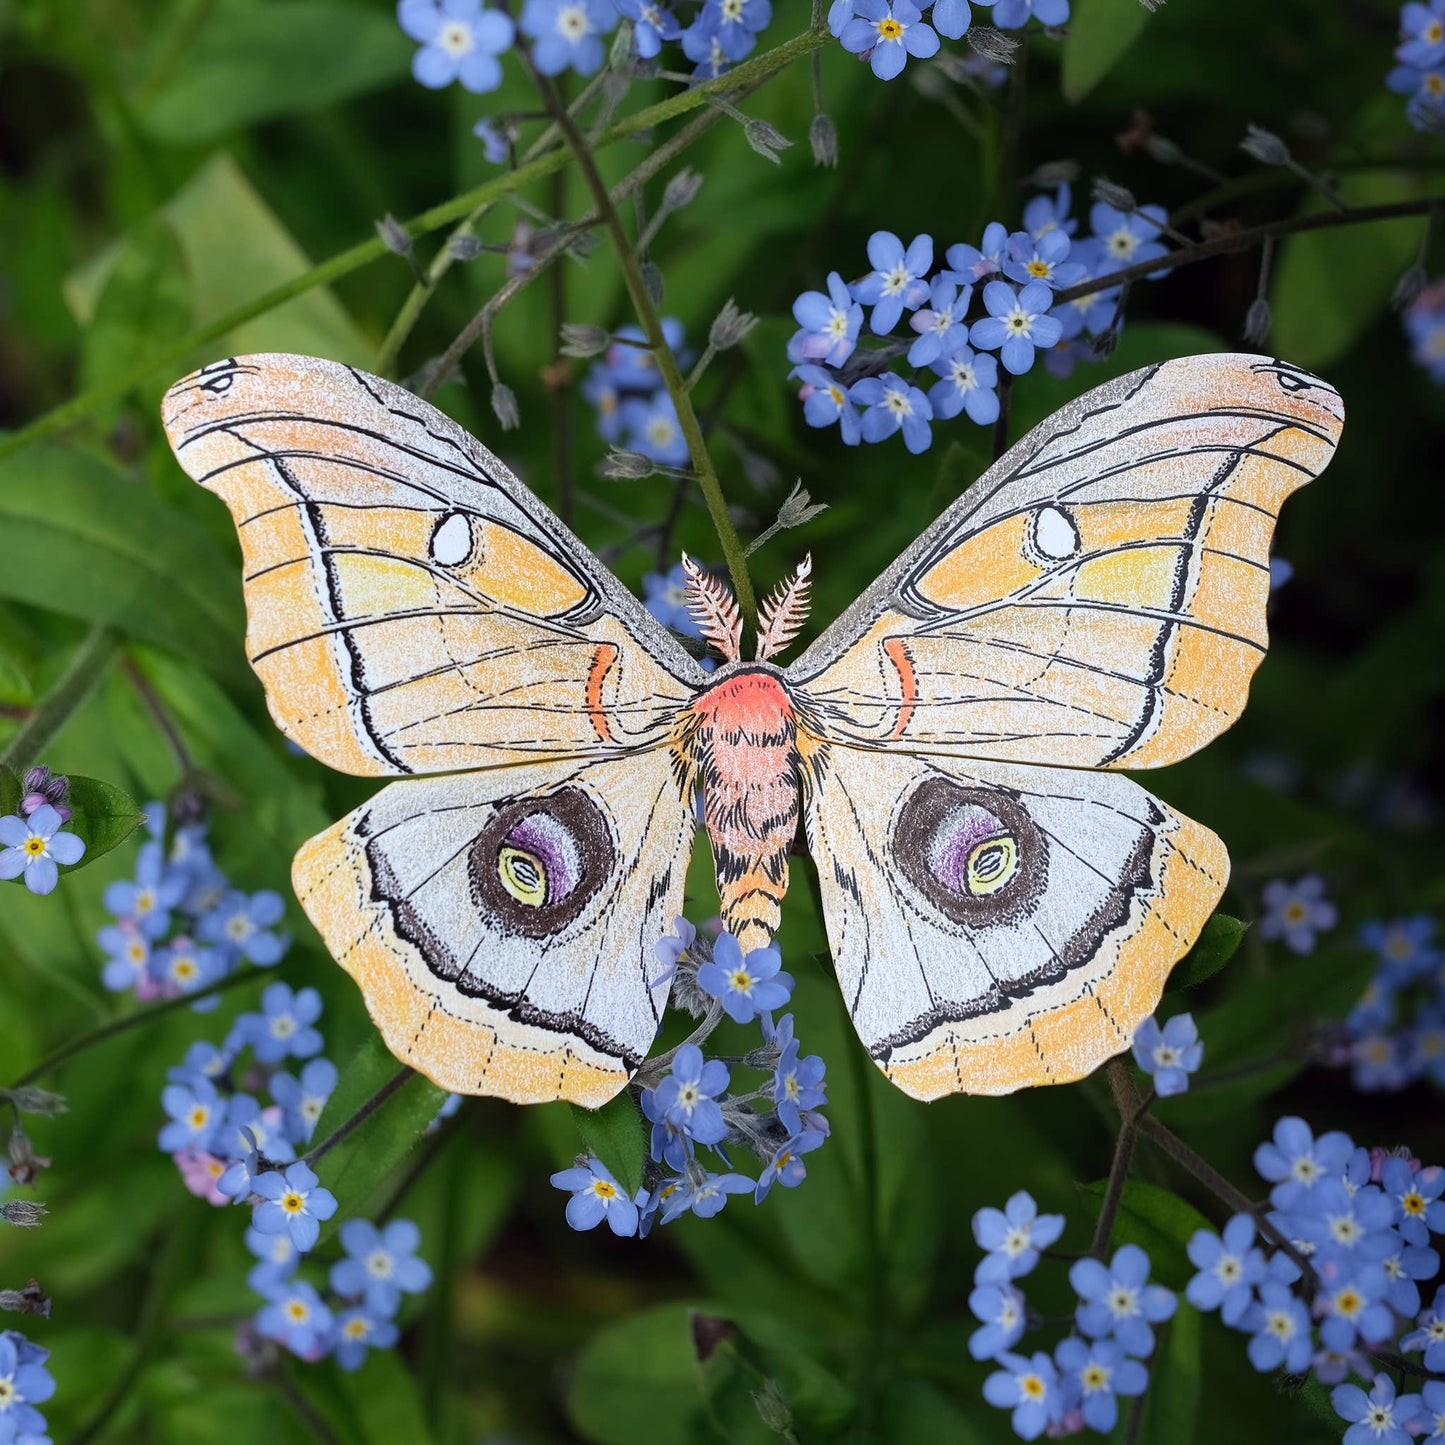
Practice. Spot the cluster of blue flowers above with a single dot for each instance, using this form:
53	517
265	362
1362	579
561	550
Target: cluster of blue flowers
1297	913
464	40
230	1147
1016	275
1420	69
33	842
1077	1386
179	925
24	1384
632	404
888	33
1359	1222
1395	1034
1425	328
689	1105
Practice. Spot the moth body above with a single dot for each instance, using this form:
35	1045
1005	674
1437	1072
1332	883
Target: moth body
741	741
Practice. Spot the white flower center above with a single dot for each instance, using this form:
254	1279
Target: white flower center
238	927
1123	1302
572	23
689	1096
964	377
1094	1376
1018	321
1015	1242
895	280
898	403
732	9
1280	1324
1345	1228
455	37
311	1107
1305	1169
660	431
942	320
1166	1057
1229	1268
837	326
379	1264
282	1026
1122	243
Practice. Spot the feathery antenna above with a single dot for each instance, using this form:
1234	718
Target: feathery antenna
782	616
714	609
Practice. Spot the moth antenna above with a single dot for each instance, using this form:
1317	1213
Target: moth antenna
714	609
782	616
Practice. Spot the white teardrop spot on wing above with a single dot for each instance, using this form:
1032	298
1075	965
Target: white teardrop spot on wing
1055	534
451	541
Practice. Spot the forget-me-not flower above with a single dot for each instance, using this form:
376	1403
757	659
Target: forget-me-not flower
460	40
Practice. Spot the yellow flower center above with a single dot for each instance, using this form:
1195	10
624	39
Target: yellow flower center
297	1311
603	1190
889	29
356	1328
1038	268
292	1202
198	1117
1032	1386
8	1392
35	845
1434	83
741	980
1412	1203
1094	1376
1348	1302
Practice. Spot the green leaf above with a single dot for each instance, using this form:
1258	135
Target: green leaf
1171	1408
386	1400
104	816
11	790
125	557
1100	31
1217	943
250	62
146	302
1318	316
360	1161
235	249
914	1411
614	1133
732	1379
1159	1222
637	1380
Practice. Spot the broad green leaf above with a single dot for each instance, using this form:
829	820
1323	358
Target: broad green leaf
1171	1408
1100	31
236	249
614	1133
146	302
386	1401
360	1161
250	62
1329	285
1217	943
101	548
915	1410
11	790
104	816
636	1381
1159	1222
731	1377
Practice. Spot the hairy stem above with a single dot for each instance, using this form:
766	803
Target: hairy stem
750	72
140	1016
1245	240
662	354
1126	1100
81	677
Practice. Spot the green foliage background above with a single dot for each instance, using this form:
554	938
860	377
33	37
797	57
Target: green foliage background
163	162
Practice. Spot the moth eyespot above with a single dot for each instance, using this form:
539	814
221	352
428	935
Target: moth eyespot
541	861
991	865
523	875
451	540
974	853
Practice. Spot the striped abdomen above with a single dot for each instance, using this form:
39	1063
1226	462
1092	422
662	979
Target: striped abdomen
744	743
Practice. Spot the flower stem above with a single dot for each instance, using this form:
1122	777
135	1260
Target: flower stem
86	669
1245	240
662	353
750	72
130	1021
365	1112
1128	1104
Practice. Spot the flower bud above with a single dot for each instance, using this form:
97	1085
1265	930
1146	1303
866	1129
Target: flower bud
992	44
798	507
681	189
1053	174
579	339
766	140
823	137
1112	194
504	405
773	1408
626	466
394	235
32	1300
30	1100
729	326
25	1163
23	1213
464	246
652	281
1265	146
1257	321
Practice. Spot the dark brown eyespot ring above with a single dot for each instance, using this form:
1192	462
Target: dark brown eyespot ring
974	853
538	863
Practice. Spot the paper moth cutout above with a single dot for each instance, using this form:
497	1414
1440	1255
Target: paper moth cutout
1003	907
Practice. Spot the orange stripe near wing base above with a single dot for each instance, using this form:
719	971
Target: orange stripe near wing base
897	650
602	661
458	1042
1061	1044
